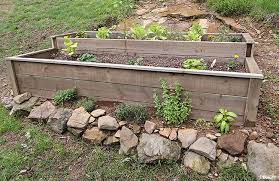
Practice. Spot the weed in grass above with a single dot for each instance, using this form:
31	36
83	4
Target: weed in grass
7	122
131	112
87	104
63	96
236	173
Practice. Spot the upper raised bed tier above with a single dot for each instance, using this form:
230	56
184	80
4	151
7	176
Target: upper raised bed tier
204	48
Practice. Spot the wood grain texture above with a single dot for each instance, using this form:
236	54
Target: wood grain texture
252	66
133	93
12	77
192	83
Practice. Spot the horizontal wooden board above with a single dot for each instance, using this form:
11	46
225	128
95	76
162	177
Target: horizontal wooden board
201	101
193	83
195	114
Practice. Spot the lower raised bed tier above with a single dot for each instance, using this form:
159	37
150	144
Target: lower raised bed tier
209	90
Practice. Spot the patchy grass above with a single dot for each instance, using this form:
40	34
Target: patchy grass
256	8
8	123
236	173
30	23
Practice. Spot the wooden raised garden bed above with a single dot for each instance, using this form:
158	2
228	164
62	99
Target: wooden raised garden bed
42	76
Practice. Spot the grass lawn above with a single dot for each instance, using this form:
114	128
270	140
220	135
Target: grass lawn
256	8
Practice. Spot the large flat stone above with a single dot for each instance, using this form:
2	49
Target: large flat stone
94	135
187	137
205	147
196	162
128	140
107	123
24	108
22	98
58	122
153	147
79	119
42	112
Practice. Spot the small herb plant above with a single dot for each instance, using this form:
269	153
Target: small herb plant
103	33
173	106
158	32
70	46
195	33
138	32
223	119
197	64
81	34
87	57
87	104
63	96
233	63
130	112
137	61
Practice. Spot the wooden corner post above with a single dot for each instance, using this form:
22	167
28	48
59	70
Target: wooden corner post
252	102
12	76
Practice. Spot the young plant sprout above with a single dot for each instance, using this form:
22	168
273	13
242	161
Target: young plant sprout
196	64
195	33
138	32
103	33
70	46
158	32
223	119
233	62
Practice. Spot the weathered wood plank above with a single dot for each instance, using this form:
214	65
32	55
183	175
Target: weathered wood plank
12	77
193	83
252	66
252	102
200	100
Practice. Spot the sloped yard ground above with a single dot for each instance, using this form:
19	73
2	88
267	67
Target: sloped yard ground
31	151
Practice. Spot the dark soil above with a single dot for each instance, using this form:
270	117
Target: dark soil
156	61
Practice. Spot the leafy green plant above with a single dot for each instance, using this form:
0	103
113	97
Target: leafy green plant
131	112
197	64
63	96
223	119
195	33
103	33
137	61
236	172
173	106
224	36
203	123
87	104
70	46
158	32
138	32
81	34
87	57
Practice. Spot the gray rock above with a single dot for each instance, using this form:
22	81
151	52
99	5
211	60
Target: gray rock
107	123
75	131
94	135
149	126
263	160
42	112
98	112
233	143
117	134
211	136
187	137
122	123
58	122
111	140
196	162
24	108
79	119
128	140
254	135
204	147
154	147
8	102
22	97
92	120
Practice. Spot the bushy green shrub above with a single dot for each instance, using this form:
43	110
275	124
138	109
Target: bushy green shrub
87	104
63	96
196	64
173	106
131	112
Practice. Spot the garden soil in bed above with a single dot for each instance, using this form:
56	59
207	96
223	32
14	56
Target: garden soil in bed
156	61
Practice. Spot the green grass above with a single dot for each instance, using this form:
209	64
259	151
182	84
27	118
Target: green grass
256	8
7	123
236	173
30	23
